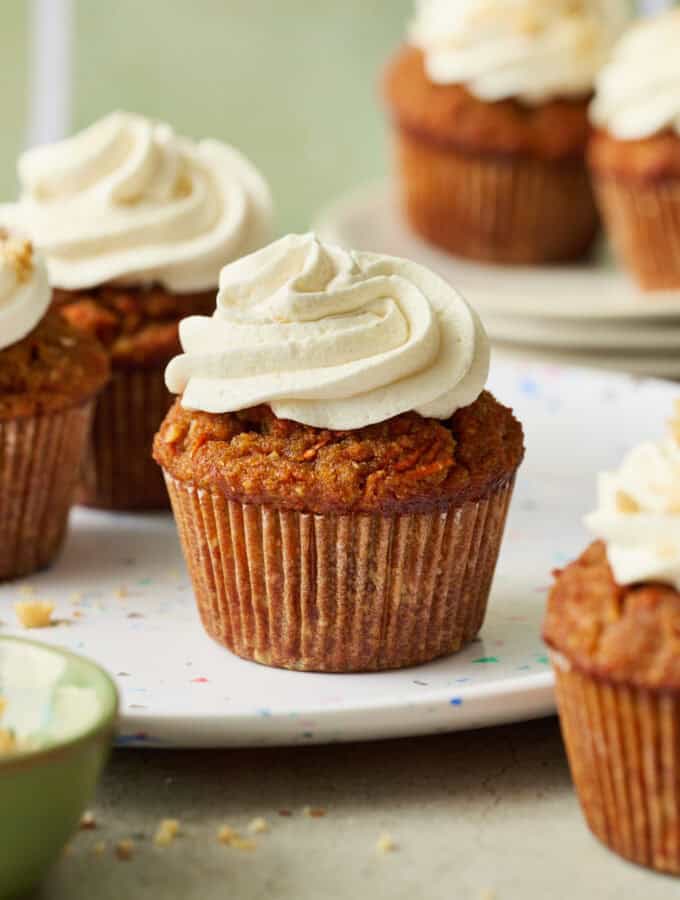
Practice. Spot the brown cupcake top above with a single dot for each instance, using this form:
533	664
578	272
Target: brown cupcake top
450	116
408	463
649	160
622	634
137	324
52	368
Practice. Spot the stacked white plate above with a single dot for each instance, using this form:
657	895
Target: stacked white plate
589	313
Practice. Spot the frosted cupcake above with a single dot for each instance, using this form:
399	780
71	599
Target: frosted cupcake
49	377
136	223
613	624
490	107
635	153
339	476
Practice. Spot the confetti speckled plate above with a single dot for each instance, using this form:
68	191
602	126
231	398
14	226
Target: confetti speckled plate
123	598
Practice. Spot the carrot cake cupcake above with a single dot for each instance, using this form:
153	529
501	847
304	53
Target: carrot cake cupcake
489	103
339	476
49	377
634	154
136	223
613	624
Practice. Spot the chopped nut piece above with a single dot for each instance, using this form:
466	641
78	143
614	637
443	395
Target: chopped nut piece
34	613
125	849
258	826
166	833
626	504
174	433
87	821
314	812
386	844
18	254
225	834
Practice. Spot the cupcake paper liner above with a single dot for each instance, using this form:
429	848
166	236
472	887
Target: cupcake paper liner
494	208
119	471
40	464
623	745
643	222
339	593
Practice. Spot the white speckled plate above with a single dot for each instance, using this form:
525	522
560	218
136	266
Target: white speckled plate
123	598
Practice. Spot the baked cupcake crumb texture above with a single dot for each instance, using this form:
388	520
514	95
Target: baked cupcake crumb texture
407	463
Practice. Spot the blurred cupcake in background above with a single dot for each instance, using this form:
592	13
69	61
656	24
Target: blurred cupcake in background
613	624
635	153
50	375
136	223
339	475
489	103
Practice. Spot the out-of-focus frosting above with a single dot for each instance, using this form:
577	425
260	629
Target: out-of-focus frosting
331	338
127	199
638	91
532	50
638	514
24	289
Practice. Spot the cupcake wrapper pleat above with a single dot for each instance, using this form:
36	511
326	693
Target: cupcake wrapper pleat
494	208
40	463
119	472
643	221
623	745
339	593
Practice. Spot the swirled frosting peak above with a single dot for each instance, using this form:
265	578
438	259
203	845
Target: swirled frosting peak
24	291
533	50
331	338
128	199
638	91
638	513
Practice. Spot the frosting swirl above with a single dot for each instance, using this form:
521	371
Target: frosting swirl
638	91
638	514
331	338
24	290
533	50
128	199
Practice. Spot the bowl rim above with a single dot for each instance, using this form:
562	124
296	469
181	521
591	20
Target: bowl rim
105	722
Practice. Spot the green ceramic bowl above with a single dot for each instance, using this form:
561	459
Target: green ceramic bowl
62	710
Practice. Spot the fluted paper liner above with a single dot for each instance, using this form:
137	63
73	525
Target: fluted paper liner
119	471
623	745
40	464
643	222
339	593
497	208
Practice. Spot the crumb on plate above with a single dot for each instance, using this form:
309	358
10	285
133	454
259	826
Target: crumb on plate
386	844
166	832
125	849
34	613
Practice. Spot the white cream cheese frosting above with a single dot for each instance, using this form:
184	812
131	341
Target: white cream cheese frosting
638	514
331	338
638	91
129	200
24	290
532	50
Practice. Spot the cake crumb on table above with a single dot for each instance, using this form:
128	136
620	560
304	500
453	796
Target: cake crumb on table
258	826
386	844
34	613
231	838
125	849
314	812
166	833
88	821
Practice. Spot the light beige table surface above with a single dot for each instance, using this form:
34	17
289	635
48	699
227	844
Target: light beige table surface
486	815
